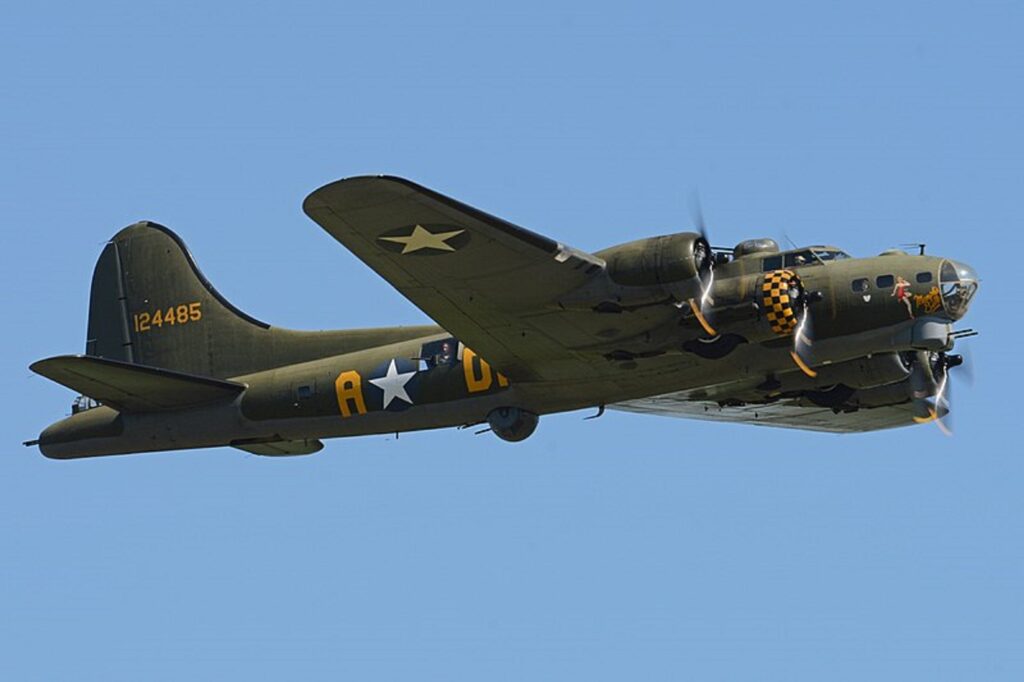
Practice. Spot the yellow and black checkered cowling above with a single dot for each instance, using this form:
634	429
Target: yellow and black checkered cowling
779	306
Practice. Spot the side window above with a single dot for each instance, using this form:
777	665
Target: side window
304	392
923	277
860	285
884	281
443	352
771	263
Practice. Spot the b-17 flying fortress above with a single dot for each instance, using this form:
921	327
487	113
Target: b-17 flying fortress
526	326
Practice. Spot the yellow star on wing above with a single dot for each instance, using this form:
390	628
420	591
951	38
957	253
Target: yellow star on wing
421	238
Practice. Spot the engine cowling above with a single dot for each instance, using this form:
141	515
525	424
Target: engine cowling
758	307
658	261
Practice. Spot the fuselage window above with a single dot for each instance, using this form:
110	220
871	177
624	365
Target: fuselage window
860	285
923	277
884	281
437	353
771	263
304	392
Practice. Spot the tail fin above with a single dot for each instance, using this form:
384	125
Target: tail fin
151	305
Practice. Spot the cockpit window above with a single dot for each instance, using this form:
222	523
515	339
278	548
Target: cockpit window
798	258
957	283
830	254
811	257
83	403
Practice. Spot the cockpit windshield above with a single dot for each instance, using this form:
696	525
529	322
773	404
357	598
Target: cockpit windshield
829	254
812	256
83	403
957	282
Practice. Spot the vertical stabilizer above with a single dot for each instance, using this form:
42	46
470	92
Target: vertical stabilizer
151	305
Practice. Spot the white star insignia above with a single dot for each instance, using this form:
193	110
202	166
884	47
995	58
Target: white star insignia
393	384
422	238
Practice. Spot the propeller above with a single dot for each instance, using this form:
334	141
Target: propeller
944	391
803	333
705	259
933	389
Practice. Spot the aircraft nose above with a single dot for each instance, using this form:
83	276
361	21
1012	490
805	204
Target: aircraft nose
958	282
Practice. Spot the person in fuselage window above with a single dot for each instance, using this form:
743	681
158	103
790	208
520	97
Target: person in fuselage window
444	357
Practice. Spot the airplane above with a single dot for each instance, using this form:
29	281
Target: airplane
806	338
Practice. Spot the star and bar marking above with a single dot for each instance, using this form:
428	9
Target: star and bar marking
478	375
393	384
421	238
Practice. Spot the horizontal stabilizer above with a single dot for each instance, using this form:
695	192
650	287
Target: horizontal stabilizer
281	448
135	388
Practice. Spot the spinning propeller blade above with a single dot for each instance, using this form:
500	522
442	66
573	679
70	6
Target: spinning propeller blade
933	389
701	307
802	340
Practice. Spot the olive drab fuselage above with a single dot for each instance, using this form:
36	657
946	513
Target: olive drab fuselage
659	317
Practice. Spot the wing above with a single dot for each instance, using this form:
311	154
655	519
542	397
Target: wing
485	280
134	388
793	413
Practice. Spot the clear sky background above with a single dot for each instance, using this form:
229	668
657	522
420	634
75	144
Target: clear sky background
630	547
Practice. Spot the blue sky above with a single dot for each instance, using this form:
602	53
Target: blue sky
629	547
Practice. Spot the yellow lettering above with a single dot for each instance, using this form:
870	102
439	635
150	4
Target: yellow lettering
349	388
929	302
475	382
180	314
502	380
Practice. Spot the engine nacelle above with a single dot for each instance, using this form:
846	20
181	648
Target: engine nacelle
881	369
658	261
757	307
512	423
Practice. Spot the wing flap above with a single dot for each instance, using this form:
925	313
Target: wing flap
135	388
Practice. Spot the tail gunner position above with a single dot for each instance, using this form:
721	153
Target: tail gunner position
807	338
